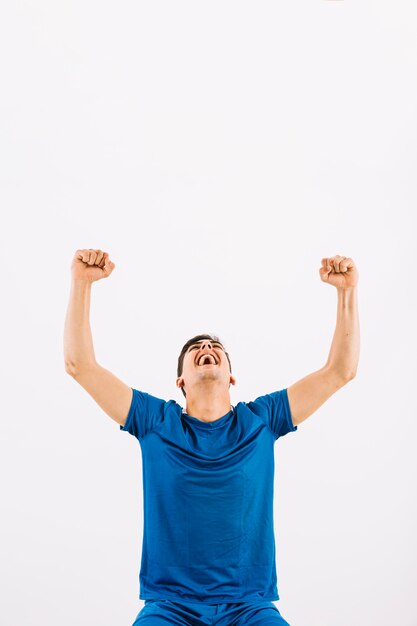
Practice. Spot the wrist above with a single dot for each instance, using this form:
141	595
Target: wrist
81	283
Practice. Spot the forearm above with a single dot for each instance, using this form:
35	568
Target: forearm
344	351
78	341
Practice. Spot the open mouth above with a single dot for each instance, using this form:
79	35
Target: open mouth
207	360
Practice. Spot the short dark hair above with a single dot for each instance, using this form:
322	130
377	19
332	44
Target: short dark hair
190	343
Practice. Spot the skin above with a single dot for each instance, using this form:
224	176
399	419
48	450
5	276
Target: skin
207	386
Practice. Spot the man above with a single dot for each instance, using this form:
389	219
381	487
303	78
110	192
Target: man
208	554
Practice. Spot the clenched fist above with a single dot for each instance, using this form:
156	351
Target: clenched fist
91	265
339	271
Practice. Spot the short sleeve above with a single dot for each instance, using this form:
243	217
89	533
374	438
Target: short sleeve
146	412
274	409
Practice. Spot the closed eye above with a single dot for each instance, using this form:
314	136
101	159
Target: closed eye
196	347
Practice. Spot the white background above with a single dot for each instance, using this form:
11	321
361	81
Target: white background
218	151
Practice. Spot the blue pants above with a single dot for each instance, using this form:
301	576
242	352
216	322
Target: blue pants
163	612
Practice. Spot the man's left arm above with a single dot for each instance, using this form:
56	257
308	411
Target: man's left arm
309	393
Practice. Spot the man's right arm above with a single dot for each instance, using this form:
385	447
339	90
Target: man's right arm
110	393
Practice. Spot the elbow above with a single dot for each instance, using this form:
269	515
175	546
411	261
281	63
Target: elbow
342	375
70	366
350	376
69	369
74	367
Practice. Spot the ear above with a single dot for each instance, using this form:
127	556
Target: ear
232	380
179	382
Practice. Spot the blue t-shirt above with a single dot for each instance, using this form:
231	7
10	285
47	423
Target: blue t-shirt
208	490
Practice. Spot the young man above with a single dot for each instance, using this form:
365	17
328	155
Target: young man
208	554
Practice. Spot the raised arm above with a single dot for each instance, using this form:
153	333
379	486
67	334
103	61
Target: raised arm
110	393
308	394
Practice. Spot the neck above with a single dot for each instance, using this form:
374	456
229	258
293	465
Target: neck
206	408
